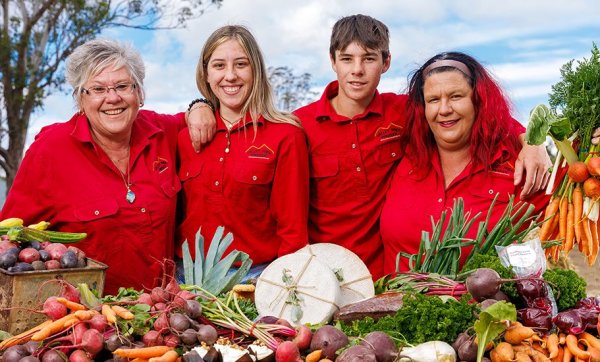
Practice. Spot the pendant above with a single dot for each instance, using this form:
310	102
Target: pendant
130	197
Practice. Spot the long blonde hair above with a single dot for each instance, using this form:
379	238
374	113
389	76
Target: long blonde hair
260	101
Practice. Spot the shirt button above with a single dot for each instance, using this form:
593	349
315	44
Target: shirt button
358	169
97	212
216	183
187	173
254	178
491	191
221	159
227	150
393	154
143	209
354	145
440	199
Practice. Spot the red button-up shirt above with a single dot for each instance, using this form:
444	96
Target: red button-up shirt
411	203
68	180
253	184
351	164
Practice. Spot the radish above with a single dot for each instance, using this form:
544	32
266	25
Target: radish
161	324
53	309
483	283
159	295
145	298
287	351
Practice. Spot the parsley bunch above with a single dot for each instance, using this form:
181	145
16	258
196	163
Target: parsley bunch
422	318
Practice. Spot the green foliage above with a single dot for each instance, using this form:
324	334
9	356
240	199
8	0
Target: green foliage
211	271
577	95
492	322
567	286
422	318
492	261
543	122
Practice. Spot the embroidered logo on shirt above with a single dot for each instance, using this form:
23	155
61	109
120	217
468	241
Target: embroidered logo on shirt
387	133
160	165
263	152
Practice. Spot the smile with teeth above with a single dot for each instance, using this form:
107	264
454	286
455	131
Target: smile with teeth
231	90
112	112
447	123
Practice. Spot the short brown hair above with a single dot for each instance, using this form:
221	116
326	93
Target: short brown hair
363	29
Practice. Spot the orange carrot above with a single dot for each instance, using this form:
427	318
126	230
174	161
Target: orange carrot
22	337
52	328
567	355
71	305
594	240
549	215
314	356
552	345
586	237
570	237
504	351
122	312
109	313
573	347
84	315
577	197
515	334
144	352
590	340
562	218
169	356
594	247
559	357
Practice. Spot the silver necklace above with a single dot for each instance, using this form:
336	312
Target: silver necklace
130	195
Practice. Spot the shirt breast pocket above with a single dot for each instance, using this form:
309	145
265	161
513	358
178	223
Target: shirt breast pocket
496	183
324	178
253	183
96	210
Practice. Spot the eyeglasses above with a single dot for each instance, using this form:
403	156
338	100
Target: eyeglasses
122	89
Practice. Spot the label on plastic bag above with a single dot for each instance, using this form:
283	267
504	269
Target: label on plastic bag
526	259
521	255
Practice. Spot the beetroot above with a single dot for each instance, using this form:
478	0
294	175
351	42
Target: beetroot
287	352
171	340
189	337
14	353
79	355
98	322
483	283
52	355
179	322
53	309
303	337
152	338
358	353
207	334
159	295
328	339
193	308
382	344
145	298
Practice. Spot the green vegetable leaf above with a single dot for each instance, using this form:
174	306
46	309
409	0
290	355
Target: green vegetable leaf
561	129
538	125
87	297
491	323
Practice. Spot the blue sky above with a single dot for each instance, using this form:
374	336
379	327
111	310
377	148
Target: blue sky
523	43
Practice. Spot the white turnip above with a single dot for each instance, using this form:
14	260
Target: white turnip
432	351
328	339
382	344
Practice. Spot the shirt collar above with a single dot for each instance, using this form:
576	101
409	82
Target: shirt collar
325	111
221	127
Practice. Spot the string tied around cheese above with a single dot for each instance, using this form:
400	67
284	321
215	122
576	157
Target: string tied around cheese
294	292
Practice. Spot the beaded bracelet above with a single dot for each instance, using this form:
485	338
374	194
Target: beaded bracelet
200	100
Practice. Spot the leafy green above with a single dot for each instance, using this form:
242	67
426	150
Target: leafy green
577	95
88	297
422	318
492	321
141	323
567	286
211	272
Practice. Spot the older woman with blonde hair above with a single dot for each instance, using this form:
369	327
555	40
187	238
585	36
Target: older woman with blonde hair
253	177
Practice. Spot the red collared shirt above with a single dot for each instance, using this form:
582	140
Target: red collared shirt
68	180
253	184
351	164
411	203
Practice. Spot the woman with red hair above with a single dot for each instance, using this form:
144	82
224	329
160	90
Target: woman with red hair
460	141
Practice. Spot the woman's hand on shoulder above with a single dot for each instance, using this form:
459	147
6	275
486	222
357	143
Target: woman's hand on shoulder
534	163
201	123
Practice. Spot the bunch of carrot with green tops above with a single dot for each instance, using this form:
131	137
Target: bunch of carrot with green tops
572	213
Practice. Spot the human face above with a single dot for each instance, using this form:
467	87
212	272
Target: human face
358	72
229	74
111	116
449	109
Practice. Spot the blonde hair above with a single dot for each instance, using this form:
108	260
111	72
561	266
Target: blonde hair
260	101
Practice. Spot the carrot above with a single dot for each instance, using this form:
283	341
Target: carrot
84	315
549	216
169	356
109	313
144	352
515	334
570	237
71	305
573	347
53	328
522	357
594	247
559	357
122	312
594	240
590	340
314	356
586	238
552	345
577	198
504	352
562	218
22	337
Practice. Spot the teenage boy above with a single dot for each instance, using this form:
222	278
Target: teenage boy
353	133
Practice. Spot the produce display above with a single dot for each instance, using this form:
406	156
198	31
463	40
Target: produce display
509	301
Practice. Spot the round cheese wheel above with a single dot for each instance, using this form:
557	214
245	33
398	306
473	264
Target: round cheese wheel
299	278
354	277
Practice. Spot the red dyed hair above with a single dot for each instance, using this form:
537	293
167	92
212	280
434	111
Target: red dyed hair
493	126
